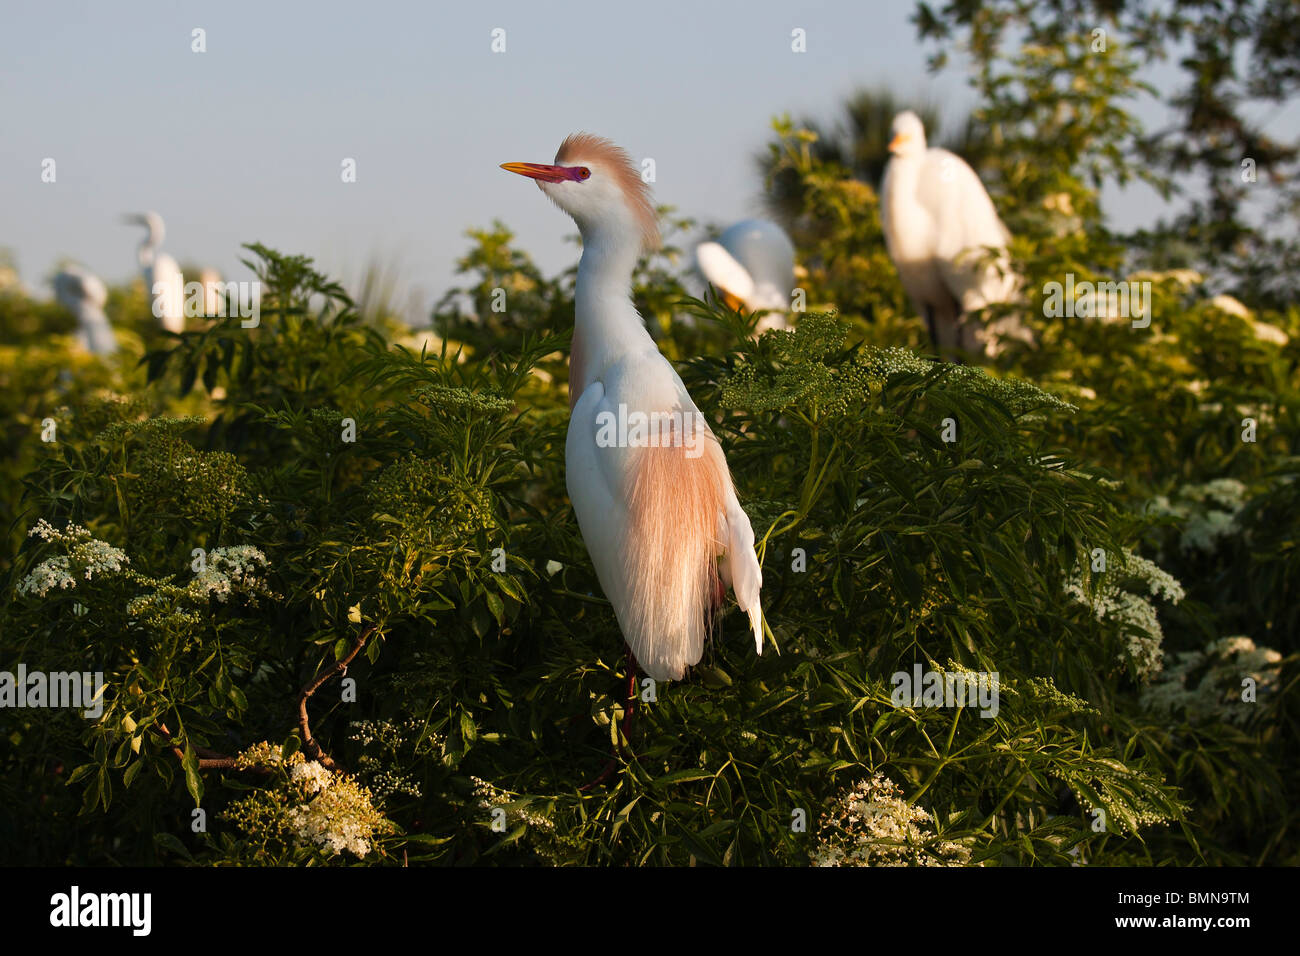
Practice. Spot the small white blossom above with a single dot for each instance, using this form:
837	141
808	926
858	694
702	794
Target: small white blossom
311	776
1270	333
315	807
1208	512
1115	602
227	571
872	825
1226	303
86	557
1206	685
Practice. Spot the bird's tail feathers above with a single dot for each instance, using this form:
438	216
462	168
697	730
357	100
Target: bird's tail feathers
671	554
741	568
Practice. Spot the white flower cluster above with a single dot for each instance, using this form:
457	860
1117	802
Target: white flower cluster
1266	332
1184	277
86	557
386	733
1262	330
49	574
1208	512
386	783
235	570
1159	582
384	780
318	822
263	754
337	814
1115	602
1226	303
330	810
1208	684
311	776
872	825
490	797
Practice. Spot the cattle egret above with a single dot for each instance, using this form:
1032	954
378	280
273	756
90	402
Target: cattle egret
939	227
647	478
84	295
752	265
162	277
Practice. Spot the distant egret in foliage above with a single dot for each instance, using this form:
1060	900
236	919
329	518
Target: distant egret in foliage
648	480
163	282
84	295
752	265
940	229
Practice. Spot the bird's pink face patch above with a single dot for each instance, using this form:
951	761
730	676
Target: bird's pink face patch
549	174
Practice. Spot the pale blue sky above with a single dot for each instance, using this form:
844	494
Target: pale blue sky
244	142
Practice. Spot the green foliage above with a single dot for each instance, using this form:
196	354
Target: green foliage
491	680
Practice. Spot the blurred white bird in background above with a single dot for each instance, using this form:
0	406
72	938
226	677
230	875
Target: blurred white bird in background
84	295
655	517
752	265
163	282
940	225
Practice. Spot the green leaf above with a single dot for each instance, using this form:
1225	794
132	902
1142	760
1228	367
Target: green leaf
681	776
496	608
131	772
193	782
166	841
82	772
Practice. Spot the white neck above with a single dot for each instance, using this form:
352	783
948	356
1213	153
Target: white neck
605	321
903	172
903	207
147	252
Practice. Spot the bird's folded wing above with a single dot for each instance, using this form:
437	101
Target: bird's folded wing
967	228
656	518
722	270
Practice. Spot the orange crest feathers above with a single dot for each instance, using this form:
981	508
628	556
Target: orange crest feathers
616	161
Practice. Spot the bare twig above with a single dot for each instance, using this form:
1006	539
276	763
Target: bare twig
309	745
215	760
208	759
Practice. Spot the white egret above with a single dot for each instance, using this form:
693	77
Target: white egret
752	265
940	226
163	282
647	478
84	295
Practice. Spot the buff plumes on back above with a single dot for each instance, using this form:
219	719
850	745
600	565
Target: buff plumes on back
671	553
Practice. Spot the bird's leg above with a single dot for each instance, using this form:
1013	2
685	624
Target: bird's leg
629	711
600	778
929	324
963	338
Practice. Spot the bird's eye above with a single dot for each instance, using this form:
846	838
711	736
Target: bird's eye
584	172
